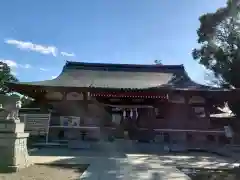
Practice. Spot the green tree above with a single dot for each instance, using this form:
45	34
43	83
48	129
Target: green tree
157	62
5	76
219	39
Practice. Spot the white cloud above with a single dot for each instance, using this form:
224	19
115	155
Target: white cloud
40	48
10	63
13	64
25	45
53	77
67	54
43	69
26	66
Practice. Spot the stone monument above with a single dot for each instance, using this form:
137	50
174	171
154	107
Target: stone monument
13	139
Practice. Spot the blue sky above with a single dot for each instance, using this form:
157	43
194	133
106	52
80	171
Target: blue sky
37	37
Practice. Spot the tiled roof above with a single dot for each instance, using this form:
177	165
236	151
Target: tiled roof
120	76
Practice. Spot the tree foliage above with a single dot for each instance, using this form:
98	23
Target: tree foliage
158	62
26	101
219	39
5	76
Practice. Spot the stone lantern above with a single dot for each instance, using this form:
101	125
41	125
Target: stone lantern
13	139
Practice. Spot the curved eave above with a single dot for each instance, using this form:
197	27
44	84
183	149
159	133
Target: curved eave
164	79
33	90
100	80
76	75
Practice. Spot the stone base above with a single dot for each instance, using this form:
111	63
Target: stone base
13	147
10	169
11	126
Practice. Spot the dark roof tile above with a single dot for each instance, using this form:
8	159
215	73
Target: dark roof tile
120	76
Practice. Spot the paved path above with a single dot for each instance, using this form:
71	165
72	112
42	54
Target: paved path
120	166
112	164
135	167
149	167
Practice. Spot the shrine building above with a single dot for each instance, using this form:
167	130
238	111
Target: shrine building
92	101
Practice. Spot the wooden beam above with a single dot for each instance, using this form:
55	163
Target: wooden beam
85	107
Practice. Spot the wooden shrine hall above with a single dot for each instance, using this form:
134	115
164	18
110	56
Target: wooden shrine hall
147	103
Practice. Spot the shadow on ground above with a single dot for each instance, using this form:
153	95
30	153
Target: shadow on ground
112	162
112	165
116	168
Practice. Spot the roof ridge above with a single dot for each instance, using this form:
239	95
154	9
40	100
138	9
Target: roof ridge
124	67
119	64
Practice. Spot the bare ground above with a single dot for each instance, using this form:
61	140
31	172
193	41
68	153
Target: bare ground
47	172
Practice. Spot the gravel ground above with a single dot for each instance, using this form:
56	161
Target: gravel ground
47	172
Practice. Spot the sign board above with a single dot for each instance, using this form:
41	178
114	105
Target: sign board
36	124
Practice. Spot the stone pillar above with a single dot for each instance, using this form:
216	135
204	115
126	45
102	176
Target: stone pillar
13	145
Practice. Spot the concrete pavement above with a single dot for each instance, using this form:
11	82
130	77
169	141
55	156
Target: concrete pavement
111	164
135	167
